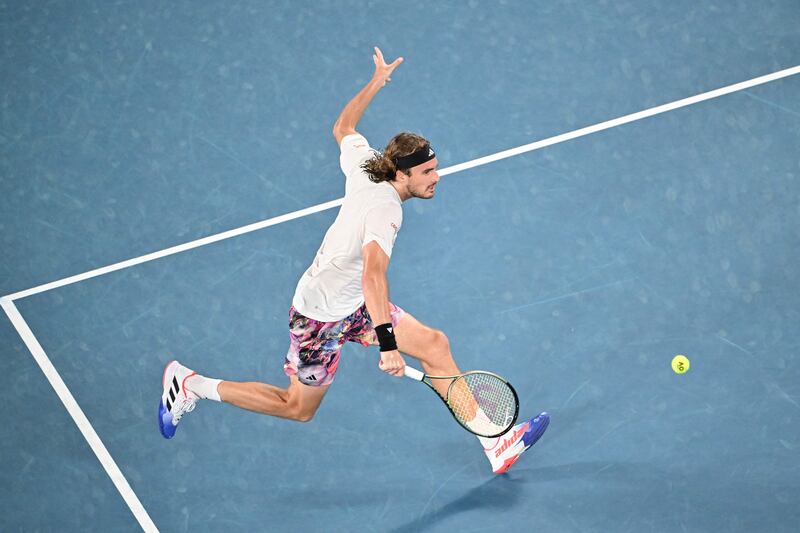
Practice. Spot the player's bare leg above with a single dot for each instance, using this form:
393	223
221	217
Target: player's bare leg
297	402
183	387
430	346
432	349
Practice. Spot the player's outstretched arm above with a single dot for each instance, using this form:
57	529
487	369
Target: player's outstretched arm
376	297
353	111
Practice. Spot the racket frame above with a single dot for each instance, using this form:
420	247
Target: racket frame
417	375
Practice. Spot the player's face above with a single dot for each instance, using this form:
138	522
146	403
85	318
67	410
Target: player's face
423	179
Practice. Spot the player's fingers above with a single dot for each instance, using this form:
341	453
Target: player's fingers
386	367
394	370
379	54
396	63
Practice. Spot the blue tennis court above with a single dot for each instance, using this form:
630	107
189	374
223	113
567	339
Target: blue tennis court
578	269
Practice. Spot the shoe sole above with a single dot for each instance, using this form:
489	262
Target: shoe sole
508	463
165	425
164	417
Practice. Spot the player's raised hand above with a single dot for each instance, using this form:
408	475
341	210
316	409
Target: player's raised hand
383	72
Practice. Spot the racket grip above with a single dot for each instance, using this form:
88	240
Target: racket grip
413	373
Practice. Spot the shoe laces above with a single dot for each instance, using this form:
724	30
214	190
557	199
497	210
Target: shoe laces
186	405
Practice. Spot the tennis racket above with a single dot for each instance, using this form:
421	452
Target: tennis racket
482	402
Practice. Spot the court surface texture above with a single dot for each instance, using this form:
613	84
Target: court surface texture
649	206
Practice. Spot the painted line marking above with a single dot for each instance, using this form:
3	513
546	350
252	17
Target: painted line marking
78	416
639	115
444	172
176	249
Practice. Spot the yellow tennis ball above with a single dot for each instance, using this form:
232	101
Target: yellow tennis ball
680	364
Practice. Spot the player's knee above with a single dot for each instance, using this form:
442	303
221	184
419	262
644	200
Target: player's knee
298	412
441	343
304	416
439	352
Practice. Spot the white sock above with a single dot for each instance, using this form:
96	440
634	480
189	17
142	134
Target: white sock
487	442
204	387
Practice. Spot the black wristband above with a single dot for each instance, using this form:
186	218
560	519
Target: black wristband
386	339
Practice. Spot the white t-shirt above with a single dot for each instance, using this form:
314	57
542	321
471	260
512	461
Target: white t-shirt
330	289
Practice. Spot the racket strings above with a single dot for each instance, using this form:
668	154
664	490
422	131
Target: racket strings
484	403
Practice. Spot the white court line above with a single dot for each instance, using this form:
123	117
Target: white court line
176	249
69	401
624	120
77	415
445	171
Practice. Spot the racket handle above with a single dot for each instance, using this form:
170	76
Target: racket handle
413	373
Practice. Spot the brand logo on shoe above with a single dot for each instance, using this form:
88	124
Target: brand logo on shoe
173	393
510	441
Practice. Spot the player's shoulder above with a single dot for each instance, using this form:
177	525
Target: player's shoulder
355	151
354	141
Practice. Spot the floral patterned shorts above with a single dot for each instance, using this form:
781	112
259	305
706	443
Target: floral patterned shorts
315	346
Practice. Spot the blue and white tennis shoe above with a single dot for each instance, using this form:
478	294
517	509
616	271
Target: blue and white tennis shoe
176	400
510	446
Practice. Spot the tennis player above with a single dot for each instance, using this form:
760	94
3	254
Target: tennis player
344	294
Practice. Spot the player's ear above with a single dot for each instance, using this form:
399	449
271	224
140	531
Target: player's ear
401	176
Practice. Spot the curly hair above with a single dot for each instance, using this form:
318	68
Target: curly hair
382	168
